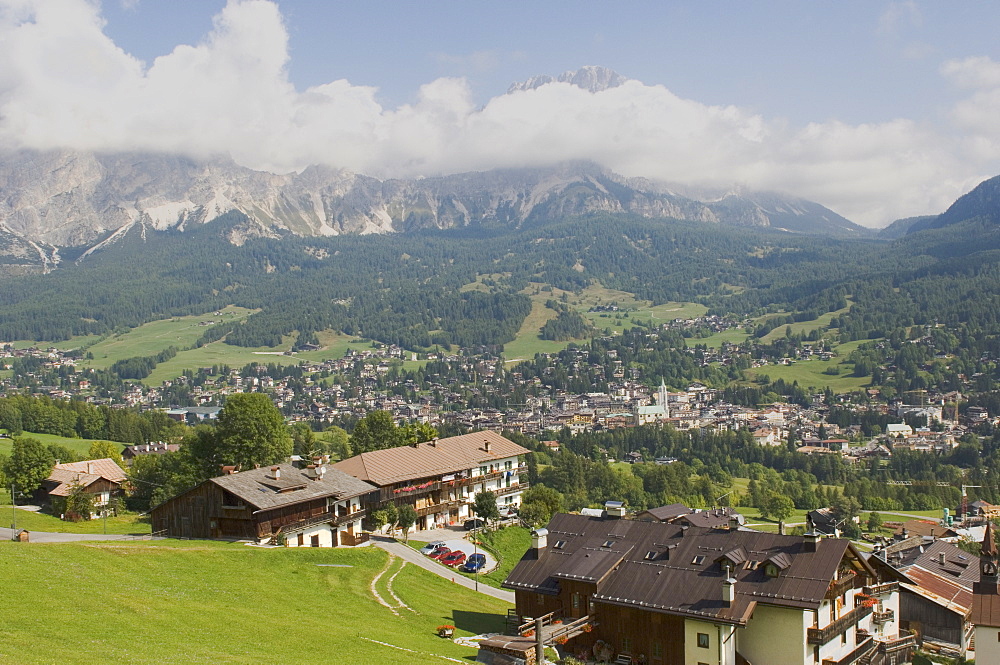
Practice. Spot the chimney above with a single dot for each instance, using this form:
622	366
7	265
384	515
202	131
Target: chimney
321	471
90	467
728	589
781	527
683	531
276	472
434	442
734	523
932	534
539	539
486	445
941	558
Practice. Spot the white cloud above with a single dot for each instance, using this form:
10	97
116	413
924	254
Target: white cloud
65	84
899	16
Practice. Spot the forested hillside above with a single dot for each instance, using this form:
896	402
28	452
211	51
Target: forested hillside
408	290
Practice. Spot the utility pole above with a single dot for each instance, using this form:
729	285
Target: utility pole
13	510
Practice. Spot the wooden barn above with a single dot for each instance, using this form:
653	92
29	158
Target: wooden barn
314	506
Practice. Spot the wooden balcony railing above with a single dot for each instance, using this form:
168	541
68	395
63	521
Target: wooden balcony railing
838	627
517	487
841	585
883	617
892	646
879	589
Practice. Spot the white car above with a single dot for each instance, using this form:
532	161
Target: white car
430	547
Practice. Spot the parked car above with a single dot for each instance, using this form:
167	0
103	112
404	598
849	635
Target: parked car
454	559
430	547
508	513
469	525
474	563
440	553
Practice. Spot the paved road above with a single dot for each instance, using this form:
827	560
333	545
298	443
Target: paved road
416	558
49	537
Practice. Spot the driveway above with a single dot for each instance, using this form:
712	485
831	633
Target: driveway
416	558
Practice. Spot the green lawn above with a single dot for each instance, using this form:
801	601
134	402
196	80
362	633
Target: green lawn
81	446
33	521
508	545
203	602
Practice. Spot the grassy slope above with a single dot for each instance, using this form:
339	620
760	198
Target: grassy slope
32	521
81	446
199	602
153	337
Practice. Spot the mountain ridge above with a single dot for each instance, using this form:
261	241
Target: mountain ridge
64	199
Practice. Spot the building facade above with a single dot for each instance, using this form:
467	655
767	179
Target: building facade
314	506
441	478
667	594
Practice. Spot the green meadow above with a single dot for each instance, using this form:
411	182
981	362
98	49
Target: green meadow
190	602
81	446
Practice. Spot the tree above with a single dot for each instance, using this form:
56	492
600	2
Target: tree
777	507
406	515
539	504
250	431
105	449
338	441
485	506
376	431
29	464
304	441
874	522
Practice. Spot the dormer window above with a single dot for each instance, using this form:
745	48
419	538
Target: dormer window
771	570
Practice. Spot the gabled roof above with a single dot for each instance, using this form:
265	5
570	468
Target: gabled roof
426	460
948	593
667	568
86	473
259	489
105	468
668	512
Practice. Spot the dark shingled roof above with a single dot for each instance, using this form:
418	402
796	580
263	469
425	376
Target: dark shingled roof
668	512
257	488
662	567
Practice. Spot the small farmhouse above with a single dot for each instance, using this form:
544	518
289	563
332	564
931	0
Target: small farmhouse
315	506
101	478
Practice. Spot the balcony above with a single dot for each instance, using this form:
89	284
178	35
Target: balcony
823	635
908	641
516	487
439	507
841	585
348	517
407	491
879	589
883	617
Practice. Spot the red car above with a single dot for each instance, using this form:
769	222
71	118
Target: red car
440	552
454	559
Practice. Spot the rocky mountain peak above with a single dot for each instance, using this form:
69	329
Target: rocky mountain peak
591	78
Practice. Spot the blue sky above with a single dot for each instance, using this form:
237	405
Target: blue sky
876	109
